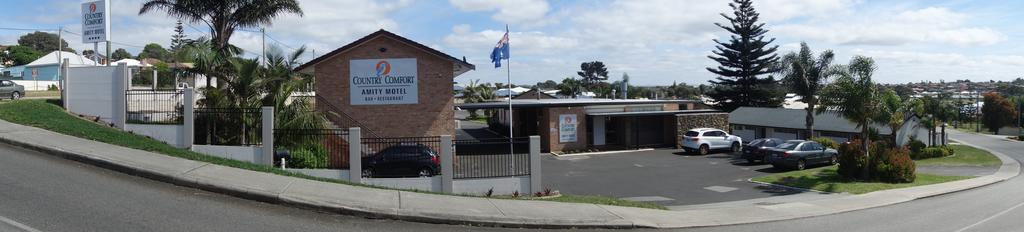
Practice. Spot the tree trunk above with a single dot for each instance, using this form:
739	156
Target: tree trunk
866	143
810	120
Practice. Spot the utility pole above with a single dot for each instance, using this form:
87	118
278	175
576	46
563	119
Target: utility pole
60	52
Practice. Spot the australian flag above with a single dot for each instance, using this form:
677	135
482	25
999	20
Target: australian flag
500	50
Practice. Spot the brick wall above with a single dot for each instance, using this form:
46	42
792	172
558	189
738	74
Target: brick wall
685	122
432	116
549	129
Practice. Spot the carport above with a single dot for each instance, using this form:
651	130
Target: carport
632	130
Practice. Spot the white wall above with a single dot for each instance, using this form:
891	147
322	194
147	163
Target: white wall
91	91
598	133
31	85
170	134
432	184
241	153
501	185
783	136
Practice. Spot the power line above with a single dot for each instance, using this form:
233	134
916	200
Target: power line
281	43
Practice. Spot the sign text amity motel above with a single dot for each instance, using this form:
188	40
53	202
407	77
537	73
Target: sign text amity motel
383	81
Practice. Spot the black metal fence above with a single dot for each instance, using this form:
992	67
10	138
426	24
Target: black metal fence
372	146
228	126
314	148
154	106
497	157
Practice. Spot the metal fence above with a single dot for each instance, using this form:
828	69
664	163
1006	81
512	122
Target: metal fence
372	146
314	148
154	106
228	126
497	157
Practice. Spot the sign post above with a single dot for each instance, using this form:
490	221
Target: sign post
96	25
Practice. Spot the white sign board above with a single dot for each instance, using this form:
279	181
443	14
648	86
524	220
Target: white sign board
383	82
95	21
567	128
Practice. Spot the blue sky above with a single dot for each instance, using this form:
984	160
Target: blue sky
656	41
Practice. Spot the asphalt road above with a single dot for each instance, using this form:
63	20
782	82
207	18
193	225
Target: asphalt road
664	176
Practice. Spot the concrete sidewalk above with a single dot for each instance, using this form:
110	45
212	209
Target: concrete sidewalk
381	203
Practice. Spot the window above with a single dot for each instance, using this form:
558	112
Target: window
769	143
692	133
757	142
788	146
714	134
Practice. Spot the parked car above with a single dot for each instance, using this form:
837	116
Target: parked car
799	154
703	140
757	149
9	89
405	160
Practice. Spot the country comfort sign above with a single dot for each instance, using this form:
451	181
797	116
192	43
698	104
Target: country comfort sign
383	81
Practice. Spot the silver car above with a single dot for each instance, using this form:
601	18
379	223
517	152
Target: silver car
8	89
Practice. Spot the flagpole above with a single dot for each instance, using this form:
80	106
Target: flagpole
508	81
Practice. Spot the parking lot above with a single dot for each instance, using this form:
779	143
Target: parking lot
665	176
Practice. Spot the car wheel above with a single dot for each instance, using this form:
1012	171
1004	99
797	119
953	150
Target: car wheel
15	95
801	165
834	160
425	172
736	147
367	172
704	150
750	161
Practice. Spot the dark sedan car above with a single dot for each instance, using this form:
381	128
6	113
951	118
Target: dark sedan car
757	149
406	160
799	154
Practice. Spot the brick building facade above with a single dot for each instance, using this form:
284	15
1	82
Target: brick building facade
431	114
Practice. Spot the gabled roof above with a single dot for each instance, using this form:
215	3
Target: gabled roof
795	119
379	33
52	59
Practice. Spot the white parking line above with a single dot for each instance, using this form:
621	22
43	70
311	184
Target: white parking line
991	217
18	225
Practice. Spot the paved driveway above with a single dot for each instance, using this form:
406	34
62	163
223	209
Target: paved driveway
665	177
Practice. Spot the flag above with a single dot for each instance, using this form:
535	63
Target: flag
500	50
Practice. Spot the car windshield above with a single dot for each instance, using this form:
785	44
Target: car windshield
757	142
692	133
788	146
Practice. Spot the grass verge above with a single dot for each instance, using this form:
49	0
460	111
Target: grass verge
826	179
963	156
41	114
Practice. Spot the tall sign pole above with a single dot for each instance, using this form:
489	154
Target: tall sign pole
96	26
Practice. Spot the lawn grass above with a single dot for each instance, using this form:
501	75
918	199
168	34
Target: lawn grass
42	114
42	93
963	156
826	179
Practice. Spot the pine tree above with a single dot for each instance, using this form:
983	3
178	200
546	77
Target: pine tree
742	59
178	38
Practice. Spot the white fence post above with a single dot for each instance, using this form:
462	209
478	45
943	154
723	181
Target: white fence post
189	117
447	167
268	136
355	155
535	171
120	101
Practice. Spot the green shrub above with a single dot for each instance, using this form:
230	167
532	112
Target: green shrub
851	160
308	156
51	88
827	142
893	166
916	146
932	152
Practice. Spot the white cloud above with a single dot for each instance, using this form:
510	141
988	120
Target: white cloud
532	42
927	25
529	12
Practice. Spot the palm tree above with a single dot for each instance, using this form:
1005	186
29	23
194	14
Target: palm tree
806	76
224	17
854	96
471	94
894	110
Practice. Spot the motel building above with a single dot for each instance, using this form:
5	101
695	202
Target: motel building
387	85
390	86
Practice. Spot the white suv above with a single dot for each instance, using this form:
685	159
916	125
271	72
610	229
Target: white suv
703	140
